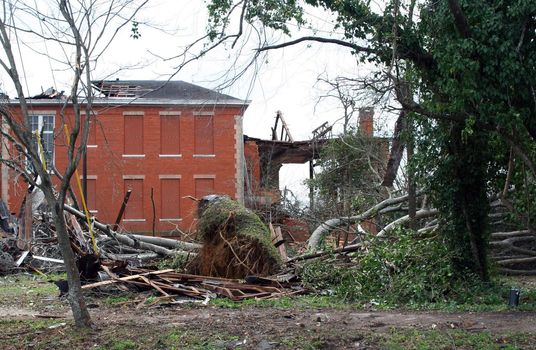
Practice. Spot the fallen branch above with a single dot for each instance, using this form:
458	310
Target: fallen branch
329	225
516	261
512	234
127	240
421	214
517	272
168	242
347	249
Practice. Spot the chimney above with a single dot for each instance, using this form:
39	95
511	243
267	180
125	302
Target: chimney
366	121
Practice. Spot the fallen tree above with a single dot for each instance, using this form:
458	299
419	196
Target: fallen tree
513	252
328	226
235	241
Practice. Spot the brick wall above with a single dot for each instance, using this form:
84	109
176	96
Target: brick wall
117	161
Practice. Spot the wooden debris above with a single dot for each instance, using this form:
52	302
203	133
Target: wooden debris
168	282
278	241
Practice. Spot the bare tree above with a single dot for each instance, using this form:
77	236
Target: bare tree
80	32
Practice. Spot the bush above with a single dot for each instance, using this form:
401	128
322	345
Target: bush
402	269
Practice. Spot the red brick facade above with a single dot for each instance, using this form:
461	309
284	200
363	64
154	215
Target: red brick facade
177	152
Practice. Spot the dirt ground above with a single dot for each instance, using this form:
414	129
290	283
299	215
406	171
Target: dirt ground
269	328
34	318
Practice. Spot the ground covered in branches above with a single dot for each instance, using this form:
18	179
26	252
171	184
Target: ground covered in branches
32	316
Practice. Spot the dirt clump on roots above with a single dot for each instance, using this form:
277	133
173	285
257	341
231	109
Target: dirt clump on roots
235	241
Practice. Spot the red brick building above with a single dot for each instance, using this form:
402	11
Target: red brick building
168	142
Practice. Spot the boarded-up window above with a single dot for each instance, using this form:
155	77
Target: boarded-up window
170	198
204	187
134	208
204	134
133	134
91	200
169	134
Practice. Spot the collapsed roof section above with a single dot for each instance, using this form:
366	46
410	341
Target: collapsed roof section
264	158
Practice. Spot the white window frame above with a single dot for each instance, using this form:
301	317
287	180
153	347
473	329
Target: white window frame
40	123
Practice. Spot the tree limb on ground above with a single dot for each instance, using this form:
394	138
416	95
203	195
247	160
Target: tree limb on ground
326	227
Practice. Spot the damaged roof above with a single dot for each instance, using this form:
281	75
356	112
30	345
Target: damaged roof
145	92
158	89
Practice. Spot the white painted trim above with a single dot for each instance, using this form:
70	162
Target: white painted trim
133	155
239	158
170	155
203	113
169	176
121	101
204	156
170	113
92	146
42	112
89	177
133	177
170	219
133	113
205	176
133	220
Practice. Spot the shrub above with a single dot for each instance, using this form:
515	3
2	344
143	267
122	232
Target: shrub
403	269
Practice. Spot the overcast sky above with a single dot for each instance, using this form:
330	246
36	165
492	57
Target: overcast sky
284	79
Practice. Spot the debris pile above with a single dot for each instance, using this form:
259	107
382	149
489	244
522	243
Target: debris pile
237	254
170	284
34	243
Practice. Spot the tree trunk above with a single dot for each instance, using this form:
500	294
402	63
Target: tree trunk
412	201
75	297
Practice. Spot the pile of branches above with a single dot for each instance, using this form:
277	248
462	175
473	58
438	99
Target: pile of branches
513	249
41	251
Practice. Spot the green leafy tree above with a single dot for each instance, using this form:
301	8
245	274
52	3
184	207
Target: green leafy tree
464	71
351	168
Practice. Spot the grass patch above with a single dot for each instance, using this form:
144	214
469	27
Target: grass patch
295	302
120	344
450	339
13	285
11	326
184	339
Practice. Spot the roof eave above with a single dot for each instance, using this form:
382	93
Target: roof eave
116	101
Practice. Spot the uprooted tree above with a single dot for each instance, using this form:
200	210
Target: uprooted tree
77	33
463	73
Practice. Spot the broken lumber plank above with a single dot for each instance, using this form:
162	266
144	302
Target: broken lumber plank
122	279
148	281
113	276
122	210
280	244
44	258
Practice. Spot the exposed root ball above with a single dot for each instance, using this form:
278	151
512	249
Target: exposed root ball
235	242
